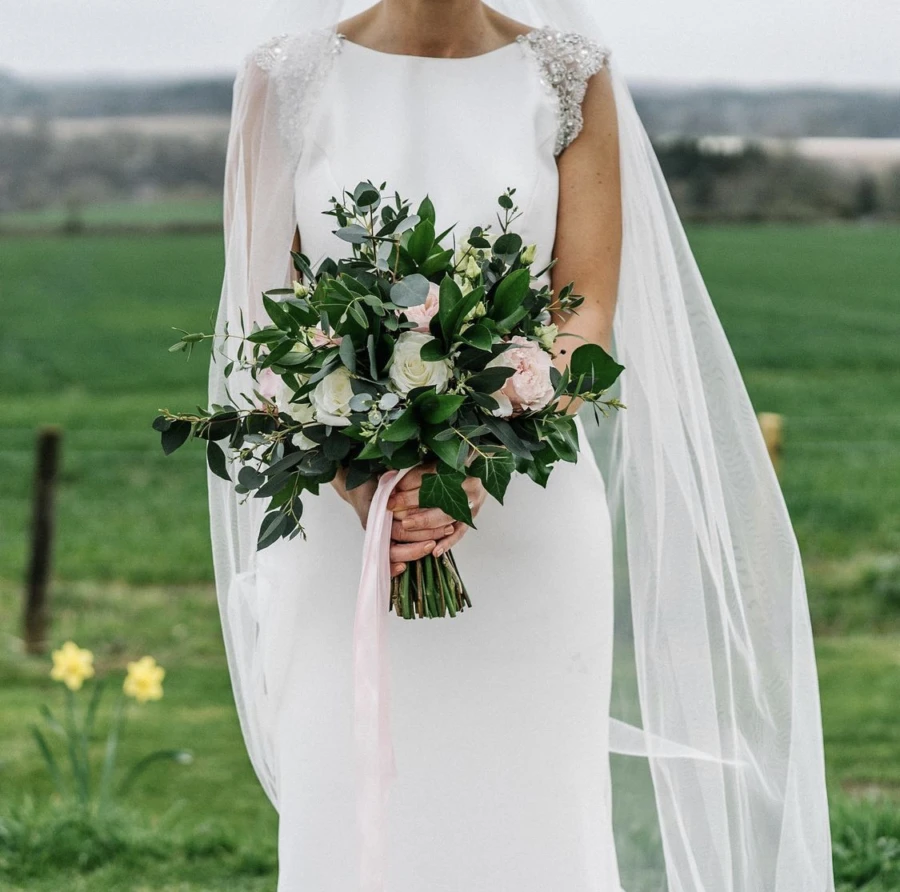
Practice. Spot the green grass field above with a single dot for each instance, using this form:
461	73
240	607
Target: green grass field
84	327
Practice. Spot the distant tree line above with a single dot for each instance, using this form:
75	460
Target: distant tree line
39	169
752	184
666	111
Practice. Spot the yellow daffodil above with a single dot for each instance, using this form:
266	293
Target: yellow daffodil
72	665
144	680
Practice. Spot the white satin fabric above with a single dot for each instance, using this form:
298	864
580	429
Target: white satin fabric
714	689
438	135
499	717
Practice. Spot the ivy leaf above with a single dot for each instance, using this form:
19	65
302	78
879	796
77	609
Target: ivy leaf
444	490
494	470
599	369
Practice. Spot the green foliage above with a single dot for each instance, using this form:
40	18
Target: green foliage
335	322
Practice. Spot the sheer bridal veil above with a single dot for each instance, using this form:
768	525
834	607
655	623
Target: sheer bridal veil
719	774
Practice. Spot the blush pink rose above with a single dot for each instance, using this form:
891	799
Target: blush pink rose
320	339
529	388
267	383
422	315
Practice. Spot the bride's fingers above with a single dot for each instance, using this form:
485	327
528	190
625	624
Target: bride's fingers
425	518
401	534
444	545
413	479
397	569
408	498
402	552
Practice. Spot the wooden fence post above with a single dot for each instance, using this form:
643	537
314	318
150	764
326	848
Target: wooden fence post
772	425
36	611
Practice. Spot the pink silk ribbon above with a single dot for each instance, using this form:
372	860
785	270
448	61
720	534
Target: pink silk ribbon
371	688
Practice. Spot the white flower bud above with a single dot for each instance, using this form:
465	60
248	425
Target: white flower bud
546	335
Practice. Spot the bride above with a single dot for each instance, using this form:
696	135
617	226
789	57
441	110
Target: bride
631	703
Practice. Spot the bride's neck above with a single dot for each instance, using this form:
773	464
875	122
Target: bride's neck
428	27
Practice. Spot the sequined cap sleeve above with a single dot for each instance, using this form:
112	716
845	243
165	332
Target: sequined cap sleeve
566	60
298	65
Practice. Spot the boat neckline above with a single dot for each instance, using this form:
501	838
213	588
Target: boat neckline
345	41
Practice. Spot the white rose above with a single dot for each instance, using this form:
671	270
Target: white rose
408	369
331	398
529	254
302	413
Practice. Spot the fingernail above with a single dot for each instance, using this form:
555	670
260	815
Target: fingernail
407	524
438	552
430	546
448	530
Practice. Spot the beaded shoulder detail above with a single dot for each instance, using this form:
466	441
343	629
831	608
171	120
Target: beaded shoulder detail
297	65
566	60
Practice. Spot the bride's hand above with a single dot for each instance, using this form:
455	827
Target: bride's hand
359	498
417	531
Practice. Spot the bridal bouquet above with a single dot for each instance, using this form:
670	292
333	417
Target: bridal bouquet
404	352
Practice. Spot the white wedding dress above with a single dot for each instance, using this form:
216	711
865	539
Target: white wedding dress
499	716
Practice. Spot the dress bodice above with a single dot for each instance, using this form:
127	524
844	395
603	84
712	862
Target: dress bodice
461	130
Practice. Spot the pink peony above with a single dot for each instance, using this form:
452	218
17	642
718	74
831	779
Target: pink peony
529	388
423	313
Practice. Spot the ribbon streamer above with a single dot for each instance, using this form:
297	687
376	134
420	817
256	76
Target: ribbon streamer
371	679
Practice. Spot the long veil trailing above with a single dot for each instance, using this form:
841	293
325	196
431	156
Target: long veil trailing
719	781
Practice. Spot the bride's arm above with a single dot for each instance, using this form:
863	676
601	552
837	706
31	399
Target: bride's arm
589	223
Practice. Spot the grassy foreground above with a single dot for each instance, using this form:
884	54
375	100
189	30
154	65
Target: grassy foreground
208	826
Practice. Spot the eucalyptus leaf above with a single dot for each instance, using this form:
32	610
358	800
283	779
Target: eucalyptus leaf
411	291
347	352
354	233
215	459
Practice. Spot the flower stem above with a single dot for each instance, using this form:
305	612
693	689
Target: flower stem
430	587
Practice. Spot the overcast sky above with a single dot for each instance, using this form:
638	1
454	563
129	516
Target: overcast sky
834	42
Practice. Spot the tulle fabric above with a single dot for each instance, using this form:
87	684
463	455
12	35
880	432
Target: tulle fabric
720	786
